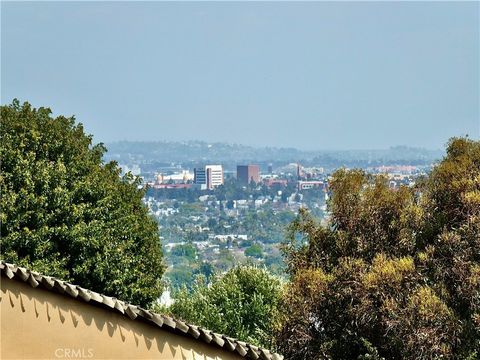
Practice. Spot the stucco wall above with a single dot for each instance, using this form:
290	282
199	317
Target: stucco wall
39	324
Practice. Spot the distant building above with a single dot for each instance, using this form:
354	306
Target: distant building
272	182
181	177
305	185
299	171
248	173
211	176
199	176
171	186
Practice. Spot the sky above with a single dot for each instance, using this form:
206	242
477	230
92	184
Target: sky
325	75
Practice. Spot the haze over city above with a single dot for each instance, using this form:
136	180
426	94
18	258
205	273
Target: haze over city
240	180
305	75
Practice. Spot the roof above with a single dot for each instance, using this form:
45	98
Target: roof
164	322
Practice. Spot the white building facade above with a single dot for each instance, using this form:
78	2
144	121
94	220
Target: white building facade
211	176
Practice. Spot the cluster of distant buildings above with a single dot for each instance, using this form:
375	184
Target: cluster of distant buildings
206	177
211	176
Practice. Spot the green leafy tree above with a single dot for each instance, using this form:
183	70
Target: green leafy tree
254	250
395	274
179	275
67	214
243	303
185	250
205	269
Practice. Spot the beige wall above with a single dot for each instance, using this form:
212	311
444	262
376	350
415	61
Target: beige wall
39	324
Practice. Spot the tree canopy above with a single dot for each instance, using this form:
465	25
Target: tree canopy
242	303
395	274
67	214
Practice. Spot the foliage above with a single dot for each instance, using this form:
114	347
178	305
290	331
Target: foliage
196	222
186	250
254	250
243	303
67	214
395	274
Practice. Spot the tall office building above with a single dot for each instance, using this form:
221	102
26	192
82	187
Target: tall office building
248	173
199	176
270	168
214	175
211	176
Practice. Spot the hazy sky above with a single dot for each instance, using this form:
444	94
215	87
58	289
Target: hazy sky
309	75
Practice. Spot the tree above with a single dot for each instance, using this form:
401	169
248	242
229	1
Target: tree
205	269
395	274
255	251
230	204
242	304
67	214
187	251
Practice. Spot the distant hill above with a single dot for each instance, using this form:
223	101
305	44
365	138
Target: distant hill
164	153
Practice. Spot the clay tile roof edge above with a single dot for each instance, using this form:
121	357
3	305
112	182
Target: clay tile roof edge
133	312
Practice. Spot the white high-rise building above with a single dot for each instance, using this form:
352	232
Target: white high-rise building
214	175
211	176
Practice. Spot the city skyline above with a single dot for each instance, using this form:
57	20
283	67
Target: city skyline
311	76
